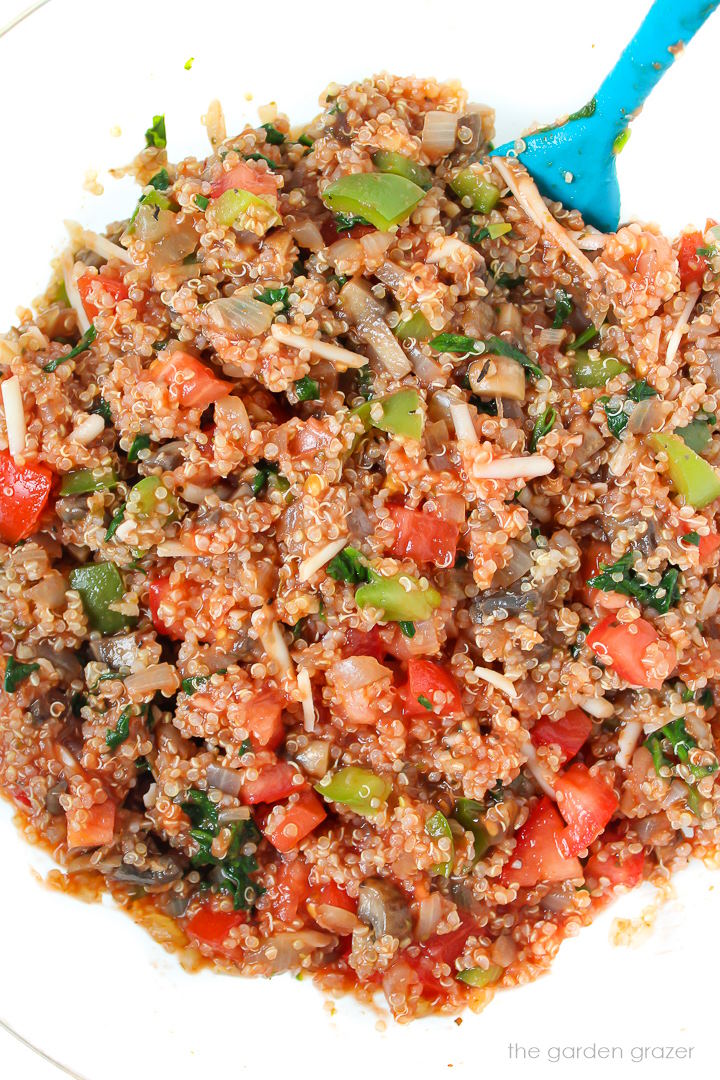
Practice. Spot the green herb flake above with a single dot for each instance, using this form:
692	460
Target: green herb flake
305	140
202	202
307	389
297	630
563	308
257	156
101	408
83	344
691	538
615	414
140	442
275	296
234	870
543	426
265	470
115	522
195	682
15	673
508	281
455	343
156	135
407	628
476	235
160	181
349	565
620	577
346	222
706	699
364	381
117	735
425	702
588	335
500	347
272	135
641	391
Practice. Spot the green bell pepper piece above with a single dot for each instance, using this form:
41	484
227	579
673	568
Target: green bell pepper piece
142	501
438	826
471	185
99	585
359	789
479	977
471	815
235	202
383	199
388	161
397	603
84	481
595	371
399	415
690	475
416	326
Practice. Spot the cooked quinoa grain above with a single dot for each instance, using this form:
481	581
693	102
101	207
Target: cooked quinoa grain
359	557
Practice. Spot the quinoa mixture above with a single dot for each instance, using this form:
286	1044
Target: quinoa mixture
359	555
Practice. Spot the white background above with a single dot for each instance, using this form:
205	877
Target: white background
73	72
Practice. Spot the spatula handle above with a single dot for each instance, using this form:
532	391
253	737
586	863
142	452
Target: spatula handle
667	26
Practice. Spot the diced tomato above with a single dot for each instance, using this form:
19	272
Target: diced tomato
264	719
158	592
89	283
440	949
626	869
292	889
595	555
707	546
365	643
569	732
257	181
424	537
90	828
211	927
425	679
191	383
587	803
691	265
330	232
332	895
23	494
624	647
20	796
537	850
298	821
274	782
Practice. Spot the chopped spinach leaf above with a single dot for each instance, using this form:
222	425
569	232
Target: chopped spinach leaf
543	425
115	521
348	565
117	735
195	682
202	202
140	442
615	414
84	343
160	181
265	470
563	308
307	389
305	140
585	338
507	281
272	135
275	296
455	343
477	235
622	578
691	538
234	870
102	408
500	347
346	222
641	391
425	702
407	628
257	156
706	699
15	673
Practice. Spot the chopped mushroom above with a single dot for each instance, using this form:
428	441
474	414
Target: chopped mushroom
382	906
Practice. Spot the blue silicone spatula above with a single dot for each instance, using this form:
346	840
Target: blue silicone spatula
574	162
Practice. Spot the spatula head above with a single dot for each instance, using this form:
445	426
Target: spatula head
573	164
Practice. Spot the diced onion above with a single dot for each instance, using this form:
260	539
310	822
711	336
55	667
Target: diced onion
308	566
345	253
357	671
306	699
439	133
274	643
647	416
514	468
227	780
505	379
599	707
376	243
231	412
341	358
551	336
711	603
335	919
88	429
530	199
162	678
494	678
242	314
172	549
14	415
430	912
308	236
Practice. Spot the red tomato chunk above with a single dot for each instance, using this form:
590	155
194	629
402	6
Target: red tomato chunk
424	537
297	820
570	732
587	803
624	647
425	680
537	855
24	491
